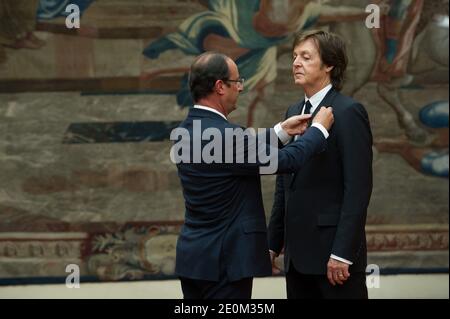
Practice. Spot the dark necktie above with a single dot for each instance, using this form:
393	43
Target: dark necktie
308	107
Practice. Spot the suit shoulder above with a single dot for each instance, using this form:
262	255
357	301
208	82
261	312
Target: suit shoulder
344	104
185	123
344	100
293	108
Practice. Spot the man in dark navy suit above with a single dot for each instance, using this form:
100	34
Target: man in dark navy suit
223	242
319	213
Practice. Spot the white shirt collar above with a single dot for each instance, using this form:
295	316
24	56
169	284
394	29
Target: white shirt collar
207	108
318	97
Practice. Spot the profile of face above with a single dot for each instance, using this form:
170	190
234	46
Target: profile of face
307	67
232	88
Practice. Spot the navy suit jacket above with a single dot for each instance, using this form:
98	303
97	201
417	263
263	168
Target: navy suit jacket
321	210
225	225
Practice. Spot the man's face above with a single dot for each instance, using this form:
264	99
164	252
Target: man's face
232	89
307	67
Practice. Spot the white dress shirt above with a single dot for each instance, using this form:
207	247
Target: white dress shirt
314	100
207	108
317	98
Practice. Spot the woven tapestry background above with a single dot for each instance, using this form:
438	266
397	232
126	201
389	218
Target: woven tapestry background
86	113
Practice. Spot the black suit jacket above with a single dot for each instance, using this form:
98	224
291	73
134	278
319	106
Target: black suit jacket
321	210
224	218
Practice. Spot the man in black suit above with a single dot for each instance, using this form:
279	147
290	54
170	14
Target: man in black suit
223	242
319	213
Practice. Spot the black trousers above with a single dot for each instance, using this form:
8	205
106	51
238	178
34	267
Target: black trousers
222	289
303	286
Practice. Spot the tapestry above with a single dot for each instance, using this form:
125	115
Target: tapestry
89	95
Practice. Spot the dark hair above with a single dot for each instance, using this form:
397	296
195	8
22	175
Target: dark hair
332	52
205	71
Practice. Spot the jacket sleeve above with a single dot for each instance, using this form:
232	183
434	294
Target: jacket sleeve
276	224
354	139
269	158
295	155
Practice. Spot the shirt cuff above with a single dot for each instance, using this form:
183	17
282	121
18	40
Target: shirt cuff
282	135
321	128
341	259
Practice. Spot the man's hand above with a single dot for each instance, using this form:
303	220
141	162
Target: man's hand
275	269
296	125
337	272
325	117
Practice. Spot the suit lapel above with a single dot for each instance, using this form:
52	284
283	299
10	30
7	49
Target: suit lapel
295	110
327	101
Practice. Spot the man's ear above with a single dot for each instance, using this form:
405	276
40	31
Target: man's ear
328	69
219	87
